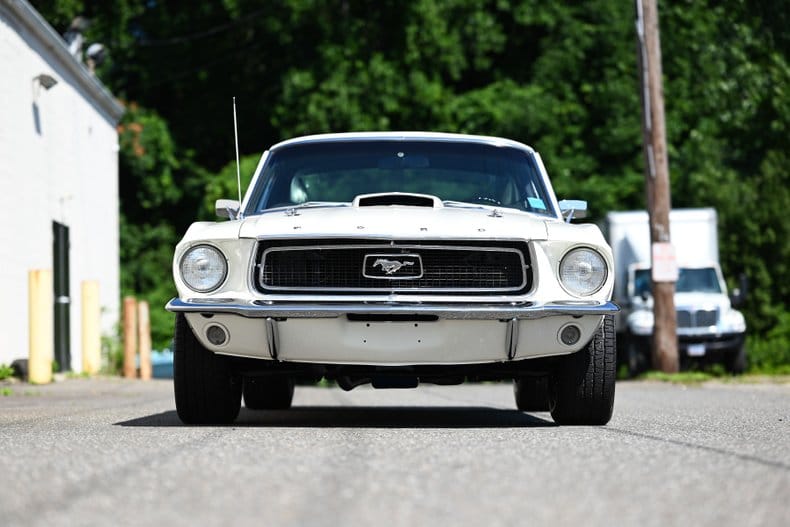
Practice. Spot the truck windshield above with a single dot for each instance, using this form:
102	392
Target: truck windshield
698	280
453	171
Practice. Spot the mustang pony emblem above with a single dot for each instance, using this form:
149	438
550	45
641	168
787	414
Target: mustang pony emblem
390	266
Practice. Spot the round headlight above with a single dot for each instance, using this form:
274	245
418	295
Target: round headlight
203	268
582	271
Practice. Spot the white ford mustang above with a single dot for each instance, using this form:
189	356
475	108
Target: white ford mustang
394	259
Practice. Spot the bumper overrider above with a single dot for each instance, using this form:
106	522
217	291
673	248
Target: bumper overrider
392	332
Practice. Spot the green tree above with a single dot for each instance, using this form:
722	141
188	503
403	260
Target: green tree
560	76
223	185
160	189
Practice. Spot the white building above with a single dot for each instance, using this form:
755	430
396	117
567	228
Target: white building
58	167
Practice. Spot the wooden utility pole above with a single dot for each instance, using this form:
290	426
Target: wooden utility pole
144	340
664	268
130	337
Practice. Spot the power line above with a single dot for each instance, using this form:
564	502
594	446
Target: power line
202	34
225	57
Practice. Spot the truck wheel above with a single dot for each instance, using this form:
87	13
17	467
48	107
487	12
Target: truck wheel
638	355
735	360
582	389
206	389
268	393
532	394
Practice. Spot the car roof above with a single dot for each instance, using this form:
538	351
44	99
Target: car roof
404	136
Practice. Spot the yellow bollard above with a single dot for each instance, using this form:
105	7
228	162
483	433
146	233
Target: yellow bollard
41	320
91	323
144	340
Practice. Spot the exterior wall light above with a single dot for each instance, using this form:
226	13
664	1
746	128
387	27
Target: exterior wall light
45	80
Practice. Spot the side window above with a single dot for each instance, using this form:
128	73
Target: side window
641	282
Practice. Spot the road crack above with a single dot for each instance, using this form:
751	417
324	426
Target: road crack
696	446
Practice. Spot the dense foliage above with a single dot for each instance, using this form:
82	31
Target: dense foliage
560	76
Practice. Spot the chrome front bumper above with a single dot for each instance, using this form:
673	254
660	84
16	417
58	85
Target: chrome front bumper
466	311
391	333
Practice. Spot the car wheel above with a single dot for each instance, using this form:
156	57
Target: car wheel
206	389
268	393
532	394
735	360
582	388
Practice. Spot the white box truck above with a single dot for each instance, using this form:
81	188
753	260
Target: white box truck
709	328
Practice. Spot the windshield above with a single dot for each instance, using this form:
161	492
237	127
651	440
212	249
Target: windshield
702	280
339	171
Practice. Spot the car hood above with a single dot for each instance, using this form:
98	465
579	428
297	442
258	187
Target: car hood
395	221
692	301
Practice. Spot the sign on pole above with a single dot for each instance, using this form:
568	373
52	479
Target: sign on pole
665	264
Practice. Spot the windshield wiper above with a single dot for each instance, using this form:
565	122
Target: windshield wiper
468	205
484	206
290	210
309	204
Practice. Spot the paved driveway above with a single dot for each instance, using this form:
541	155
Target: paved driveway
104	452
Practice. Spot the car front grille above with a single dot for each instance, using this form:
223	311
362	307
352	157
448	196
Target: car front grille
408	267
697	319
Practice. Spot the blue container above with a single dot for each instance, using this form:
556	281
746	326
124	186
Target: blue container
162	364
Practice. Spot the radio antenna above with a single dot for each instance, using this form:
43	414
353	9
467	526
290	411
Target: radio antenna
238	170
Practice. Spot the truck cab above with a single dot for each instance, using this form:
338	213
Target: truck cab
709	327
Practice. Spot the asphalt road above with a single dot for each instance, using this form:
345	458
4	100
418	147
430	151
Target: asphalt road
112	452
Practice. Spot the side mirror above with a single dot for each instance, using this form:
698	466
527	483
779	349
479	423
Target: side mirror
743	284
572	209
227	208
738	295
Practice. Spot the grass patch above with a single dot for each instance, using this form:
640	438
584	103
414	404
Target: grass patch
698	377
683	377
758	378
777	369
6	391
112	355
6	372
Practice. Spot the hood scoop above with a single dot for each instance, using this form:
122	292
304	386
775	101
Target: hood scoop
397	198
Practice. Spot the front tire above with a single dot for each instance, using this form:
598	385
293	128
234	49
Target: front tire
268	393
735	361
582	389
206	389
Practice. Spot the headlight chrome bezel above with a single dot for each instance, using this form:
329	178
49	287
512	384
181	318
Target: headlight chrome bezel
222	258
565	261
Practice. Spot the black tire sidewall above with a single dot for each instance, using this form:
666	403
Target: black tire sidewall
206	389
583	385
